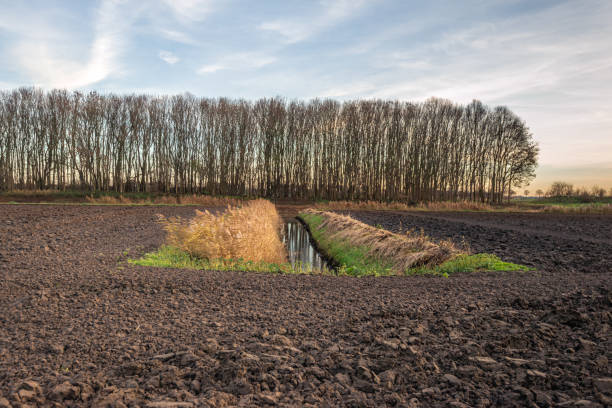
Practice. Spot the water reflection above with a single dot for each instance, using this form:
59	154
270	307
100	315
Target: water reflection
299	248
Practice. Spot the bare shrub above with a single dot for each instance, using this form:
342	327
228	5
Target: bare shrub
251	232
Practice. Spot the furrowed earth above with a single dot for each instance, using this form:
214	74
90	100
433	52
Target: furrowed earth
80	326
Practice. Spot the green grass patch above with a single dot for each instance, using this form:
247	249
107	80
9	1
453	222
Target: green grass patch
470	263
355	261
172	257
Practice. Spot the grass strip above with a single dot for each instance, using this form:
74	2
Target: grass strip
355	261
173	257
470	263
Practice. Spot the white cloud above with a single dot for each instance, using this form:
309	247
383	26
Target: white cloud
501	61
45	60
240	61
209	69
178	36
168	57
298	29
189	10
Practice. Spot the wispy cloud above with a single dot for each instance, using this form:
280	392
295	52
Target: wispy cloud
177	36
239	61
497	61
190	10
168	57
47	64
294	30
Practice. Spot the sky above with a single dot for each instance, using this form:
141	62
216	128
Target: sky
548	61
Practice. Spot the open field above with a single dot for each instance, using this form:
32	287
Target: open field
88	327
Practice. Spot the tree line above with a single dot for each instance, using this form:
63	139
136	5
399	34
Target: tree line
562	189
321	149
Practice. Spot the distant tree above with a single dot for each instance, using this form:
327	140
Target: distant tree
526	193
560	189
583	194
539	192
597	191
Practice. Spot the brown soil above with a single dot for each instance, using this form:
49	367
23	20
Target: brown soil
77	327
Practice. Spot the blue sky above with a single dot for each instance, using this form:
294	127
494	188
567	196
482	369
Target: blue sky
549	61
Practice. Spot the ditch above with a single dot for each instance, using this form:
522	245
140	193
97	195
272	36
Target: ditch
300	249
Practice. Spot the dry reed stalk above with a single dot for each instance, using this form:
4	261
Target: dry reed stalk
104	200
199	200
404	251
251	232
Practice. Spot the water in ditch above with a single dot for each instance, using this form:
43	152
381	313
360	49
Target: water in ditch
300	249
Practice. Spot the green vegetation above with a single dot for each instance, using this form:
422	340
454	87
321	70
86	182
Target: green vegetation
470	263
355	261
172	257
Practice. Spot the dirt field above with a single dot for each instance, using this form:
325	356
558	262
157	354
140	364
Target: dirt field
79	328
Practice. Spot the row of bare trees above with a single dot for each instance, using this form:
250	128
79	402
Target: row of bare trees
322	149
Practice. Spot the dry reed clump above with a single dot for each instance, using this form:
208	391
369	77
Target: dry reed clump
251	232
404	251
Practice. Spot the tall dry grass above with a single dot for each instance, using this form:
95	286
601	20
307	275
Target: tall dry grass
168	200
404	251
251	232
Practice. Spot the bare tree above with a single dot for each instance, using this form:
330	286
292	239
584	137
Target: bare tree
323	149
560	189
